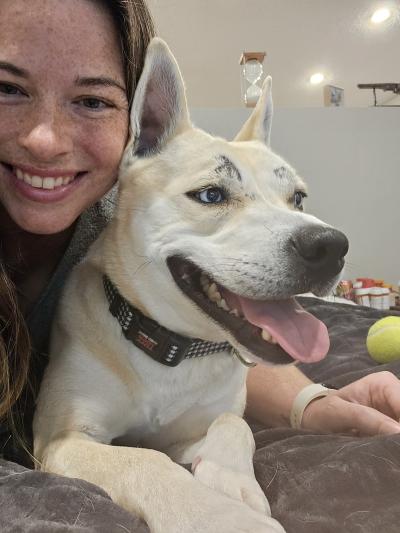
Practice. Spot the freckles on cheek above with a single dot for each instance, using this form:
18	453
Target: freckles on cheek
107	147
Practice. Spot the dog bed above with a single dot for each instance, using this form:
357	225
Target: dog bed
315	483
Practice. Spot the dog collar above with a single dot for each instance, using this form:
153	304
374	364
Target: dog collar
162	344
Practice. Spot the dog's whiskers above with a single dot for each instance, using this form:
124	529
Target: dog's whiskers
110	201
269	229
352	266
137	209
143	265
141	255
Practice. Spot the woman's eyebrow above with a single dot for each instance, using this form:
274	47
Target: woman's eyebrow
12	69
100	81
81	82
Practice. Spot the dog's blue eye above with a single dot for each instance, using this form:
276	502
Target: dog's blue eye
213	195
298	199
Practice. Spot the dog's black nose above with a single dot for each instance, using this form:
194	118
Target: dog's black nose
321	248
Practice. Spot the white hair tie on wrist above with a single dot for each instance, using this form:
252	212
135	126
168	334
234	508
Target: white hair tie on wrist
303	399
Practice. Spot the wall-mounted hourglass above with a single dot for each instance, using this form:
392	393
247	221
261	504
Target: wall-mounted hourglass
252	76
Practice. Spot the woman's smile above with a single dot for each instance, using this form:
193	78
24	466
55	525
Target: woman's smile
40	185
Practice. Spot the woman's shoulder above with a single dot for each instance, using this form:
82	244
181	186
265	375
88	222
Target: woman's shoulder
89	226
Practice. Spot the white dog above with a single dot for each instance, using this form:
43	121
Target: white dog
199	265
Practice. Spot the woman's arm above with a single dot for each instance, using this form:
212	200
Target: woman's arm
368	406
271	391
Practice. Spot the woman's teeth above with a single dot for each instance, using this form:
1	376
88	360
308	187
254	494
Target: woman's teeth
42	183
211	290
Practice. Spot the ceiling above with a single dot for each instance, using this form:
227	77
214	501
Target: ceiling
300	37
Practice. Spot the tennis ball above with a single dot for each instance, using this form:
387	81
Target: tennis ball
383	340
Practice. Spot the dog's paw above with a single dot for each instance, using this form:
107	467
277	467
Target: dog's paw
236	485
212	512
227	515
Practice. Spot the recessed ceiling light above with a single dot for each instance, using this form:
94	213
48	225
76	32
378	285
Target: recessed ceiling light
380	15
317	78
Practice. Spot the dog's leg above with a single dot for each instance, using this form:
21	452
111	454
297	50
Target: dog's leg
148	483
224	461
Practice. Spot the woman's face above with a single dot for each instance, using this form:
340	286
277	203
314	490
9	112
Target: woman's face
63	110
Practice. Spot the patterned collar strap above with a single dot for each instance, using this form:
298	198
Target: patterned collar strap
163	345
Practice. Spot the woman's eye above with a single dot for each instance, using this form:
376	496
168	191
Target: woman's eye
95	103
212	195
298	200
6	88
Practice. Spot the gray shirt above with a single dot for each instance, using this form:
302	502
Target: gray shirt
88	228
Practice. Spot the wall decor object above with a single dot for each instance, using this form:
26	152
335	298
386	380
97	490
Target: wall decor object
252	76
333	96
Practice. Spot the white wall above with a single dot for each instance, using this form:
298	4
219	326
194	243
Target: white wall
350	159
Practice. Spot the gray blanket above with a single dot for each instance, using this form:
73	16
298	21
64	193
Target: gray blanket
315	483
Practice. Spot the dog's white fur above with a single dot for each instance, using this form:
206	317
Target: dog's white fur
100	388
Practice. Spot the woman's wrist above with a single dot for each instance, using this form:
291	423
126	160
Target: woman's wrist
271	392
303	399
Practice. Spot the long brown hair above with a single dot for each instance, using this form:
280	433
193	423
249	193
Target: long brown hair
135	28
14	348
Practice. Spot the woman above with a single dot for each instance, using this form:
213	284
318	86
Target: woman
67	76
86	79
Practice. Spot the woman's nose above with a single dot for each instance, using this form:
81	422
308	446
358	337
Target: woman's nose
46	138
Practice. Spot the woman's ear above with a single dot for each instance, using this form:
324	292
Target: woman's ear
159	109
258	125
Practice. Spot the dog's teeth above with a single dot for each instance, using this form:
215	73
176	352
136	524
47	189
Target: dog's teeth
222	303
215	297
204	282
266	335
234	312
213	293
213	288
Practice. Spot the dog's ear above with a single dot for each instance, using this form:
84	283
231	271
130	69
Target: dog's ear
258	125
159	109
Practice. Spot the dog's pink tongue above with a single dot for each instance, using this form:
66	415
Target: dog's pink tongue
300	334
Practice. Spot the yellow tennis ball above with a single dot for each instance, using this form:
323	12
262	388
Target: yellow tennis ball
383	340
